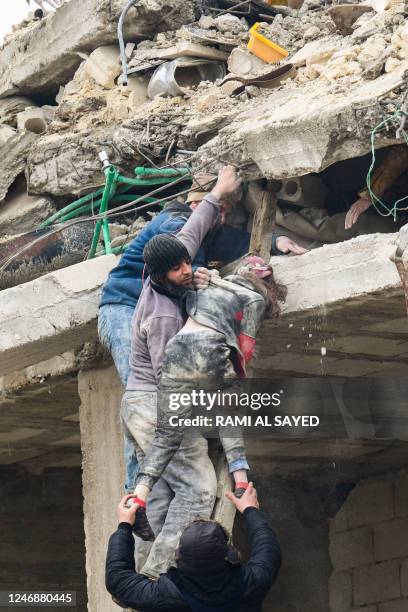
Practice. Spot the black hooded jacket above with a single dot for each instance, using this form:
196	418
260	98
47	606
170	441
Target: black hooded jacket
239	588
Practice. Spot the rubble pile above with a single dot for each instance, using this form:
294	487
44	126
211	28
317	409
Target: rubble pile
193	88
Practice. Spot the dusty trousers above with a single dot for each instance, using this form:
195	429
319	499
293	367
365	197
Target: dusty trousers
193	360
190	476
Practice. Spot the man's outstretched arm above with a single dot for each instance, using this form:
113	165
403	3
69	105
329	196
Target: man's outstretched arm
205	215
265	561
122	581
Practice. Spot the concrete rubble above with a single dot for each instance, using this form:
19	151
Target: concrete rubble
62	102
56	116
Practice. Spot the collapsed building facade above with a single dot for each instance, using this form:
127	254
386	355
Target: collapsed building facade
338	503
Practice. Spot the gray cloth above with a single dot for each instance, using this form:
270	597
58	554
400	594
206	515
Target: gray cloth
190	476
230	306
158	317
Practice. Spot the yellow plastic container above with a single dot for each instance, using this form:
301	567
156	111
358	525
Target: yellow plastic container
267	50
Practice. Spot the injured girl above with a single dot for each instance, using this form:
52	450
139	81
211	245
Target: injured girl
210	352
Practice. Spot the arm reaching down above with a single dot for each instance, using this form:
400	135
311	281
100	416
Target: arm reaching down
265	561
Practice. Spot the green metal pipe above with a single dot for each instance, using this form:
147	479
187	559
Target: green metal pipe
61	213
162	172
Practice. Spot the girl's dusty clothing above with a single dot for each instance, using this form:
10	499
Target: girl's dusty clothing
208	359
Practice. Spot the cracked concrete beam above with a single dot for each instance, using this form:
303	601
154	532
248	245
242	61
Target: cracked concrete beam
52	314
336	272
58	312
44	56
305	129
61	164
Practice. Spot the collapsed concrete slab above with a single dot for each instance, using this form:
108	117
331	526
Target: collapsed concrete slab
60	309
45	56
307	128
344	315
21	212
324	307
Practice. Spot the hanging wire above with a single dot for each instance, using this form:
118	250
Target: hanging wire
397	119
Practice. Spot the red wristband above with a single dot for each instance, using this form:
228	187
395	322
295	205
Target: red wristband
241	485
137	500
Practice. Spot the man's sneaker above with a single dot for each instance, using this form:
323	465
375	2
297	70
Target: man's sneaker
240	488
142	527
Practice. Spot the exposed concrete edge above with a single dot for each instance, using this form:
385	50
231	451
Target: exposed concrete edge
58	312
326	277
52	314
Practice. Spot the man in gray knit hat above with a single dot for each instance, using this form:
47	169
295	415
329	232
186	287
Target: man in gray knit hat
159	316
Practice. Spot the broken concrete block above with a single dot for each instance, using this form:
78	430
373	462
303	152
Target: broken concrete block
6	133
20	212
308	190
243	63
207	102
316	52
371	50
130	47
311	33
13	155
10	107
230	23
32	120
391	64
103	65
206	22
137	85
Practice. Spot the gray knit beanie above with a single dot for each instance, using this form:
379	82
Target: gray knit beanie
162	253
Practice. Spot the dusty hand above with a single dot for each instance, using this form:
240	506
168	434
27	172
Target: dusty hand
286	245
355	210
201	278
248	500
125	514
228	185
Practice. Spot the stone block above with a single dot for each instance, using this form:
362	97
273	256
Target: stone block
316	52
399	605
401	497
244	64
376	583
366	609
339	521
103	65
370	502
340	592
350	549
391	540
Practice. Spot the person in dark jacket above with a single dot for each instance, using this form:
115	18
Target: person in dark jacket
209	576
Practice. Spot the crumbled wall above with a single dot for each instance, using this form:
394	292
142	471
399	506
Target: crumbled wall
369	548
